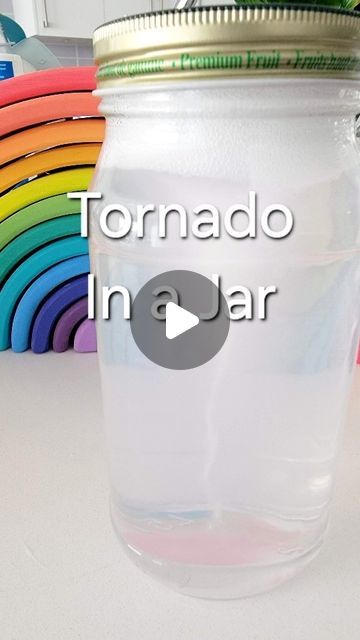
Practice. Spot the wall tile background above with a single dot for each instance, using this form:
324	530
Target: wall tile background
69	54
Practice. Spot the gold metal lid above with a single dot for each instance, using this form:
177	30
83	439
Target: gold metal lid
227	42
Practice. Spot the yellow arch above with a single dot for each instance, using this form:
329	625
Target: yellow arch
46	187
46	161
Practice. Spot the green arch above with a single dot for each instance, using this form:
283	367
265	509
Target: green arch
53	207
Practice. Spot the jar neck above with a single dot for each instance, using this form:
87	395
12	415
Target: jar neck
258	98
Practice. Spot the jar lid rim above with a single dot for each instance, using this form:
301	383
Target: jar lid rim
254	5
223	41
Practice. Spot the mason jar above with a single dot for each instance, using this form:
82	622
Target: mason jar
222	474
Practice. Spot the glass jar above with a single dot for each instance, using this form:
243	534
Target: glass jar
222	474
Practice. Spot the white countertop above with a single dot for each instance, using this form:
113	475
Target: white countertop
63	576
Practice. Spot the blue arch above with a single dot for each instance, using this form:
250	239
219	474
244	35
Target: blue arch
52	309
32	298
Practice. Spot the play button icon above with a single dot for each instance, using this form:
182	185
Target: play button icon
180	320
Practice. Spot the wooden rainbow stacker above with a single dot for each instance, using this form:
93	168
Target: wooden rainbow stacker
50	138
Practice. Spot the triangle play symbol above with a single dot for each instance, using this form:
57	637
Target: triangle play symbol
178	320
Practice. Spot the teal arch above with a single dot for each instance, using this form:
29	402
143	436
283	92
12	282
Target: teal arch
35	238
27	272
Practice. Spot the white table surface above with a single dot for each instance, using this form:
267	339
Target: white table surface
63	575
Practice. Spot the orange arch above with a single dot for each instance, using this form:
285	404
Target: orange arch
47	136
46	161
45	109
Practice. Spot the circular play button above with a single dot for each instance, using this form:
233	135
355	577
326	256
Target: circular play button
180	320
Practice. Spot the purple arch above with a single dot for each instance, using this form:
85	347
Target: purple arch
67	323
85	338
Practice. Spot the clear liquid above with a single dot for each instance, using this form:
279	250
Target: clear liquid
222	475
220	501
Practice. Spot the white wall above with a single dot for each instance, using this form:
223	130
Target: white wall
69	54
